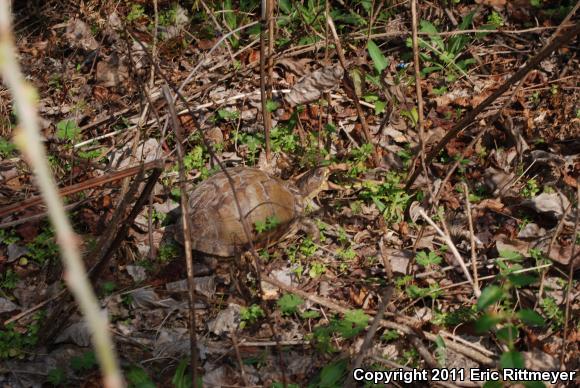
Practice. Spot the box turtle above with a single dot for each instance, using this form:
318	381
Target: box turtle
270	206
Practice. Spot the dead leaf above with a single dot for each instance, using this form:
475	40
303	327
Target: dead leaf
226	321
548	204
310	87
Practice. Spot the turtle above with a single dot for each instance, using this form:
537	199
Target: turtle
271	207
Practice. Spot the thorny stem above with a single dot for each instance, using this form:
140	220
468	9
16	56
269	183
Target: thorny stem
27	138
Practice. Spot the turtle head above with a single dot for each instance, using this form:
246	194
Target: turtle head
313	182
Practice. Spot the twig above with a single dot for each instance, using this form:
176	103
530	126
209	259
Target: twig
570	278
236	347
429	360
349	87
28	140
453	249
186	230
420	113
471	237
471	115
266	116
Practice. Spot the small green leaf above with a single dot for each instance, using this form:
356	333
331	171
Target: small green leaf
353	323
310	314
138	378
67	130
289	303
489	296
271	105
379	60
380	107
486	322
427	259
510	255
332	374
531	318
56	377
508	334
521	280
511	359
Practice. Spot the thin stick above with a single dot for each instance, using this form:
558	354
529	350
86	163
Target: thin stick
453	249
417	66
353	96
186	231
28	140
570	278
267	118
471	238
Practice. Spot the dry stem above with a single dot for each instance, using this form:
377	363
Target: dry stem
28	140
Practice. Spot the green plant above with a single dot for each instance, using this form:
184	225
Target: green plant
16	342
316	270
43	248
531	189
390	335
412	115
332	375
8	280
138	378
8	237
108	287
462	315
295	13
288	303
552	311
410	357
414	291
7	149
68	130
428	259
56	377
84	363
284	138
253	143
500	315
270	223
250	315
92	154
137	12
388	196
358	158
197	159
167	252
182	376
444	55
494	19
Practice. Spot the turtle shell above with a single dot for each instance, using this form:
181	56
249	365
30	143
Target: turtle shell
216	228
